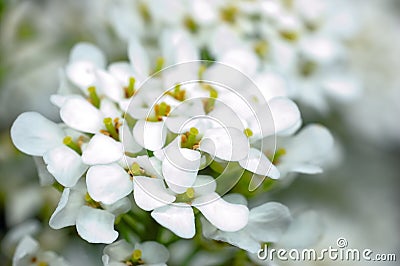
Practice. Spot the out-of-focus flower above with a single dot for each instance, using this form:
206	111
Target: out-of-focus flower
146	253
28	253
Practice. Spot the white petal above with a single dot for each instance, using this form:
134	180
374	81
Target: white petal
256	162
109	109
170	39
96	226
271	84
138	57
229	144
108	183
204	185
82	74
129	143
241	59
45	178
304	231
307	150
150	193
180	168
150	135
65	165
223	215
27	247
122	71
79	114
306	168
268	222
87	52
119	251
102	149
110	86
121	206
179	218
153	253
34	134
285	113
240	238
67	210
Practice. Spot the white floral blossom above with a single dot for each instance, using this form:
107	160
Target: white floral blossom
147	253
28	253
45	138
94	221
179	217
267	223
292	156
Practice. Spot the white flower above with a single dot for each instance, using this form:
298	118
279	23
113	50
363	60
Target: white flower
267	223
151	194
305	152
181	159
94	221
35	135
147	253
28	253
84	60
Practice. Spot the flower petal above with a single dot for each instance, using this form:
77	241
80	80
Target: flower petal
204	185
121	206
34	134
26	247
81	73
102	149
151	193
179	218
128	142
87	52
65	165
137	57
153	252
109	85
223	215
150	135
229	144
285	113
45	178
96	226
180	168
305	231
79	114
268	222
240	238
108	183
118	251
67	210
256	162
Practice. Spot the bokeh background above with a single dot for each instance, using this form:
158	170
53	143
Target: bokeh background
356	197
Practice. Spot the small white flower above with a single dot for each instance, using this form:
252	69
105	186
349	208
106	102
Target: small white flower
94	221
28	253
305	152
267	223
147	253
179	216
85	59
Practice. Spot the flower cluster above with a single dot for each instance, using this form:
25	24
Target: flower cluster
171	144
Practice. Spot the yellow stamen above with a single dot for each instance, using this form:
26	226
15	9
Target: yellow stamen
70	143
